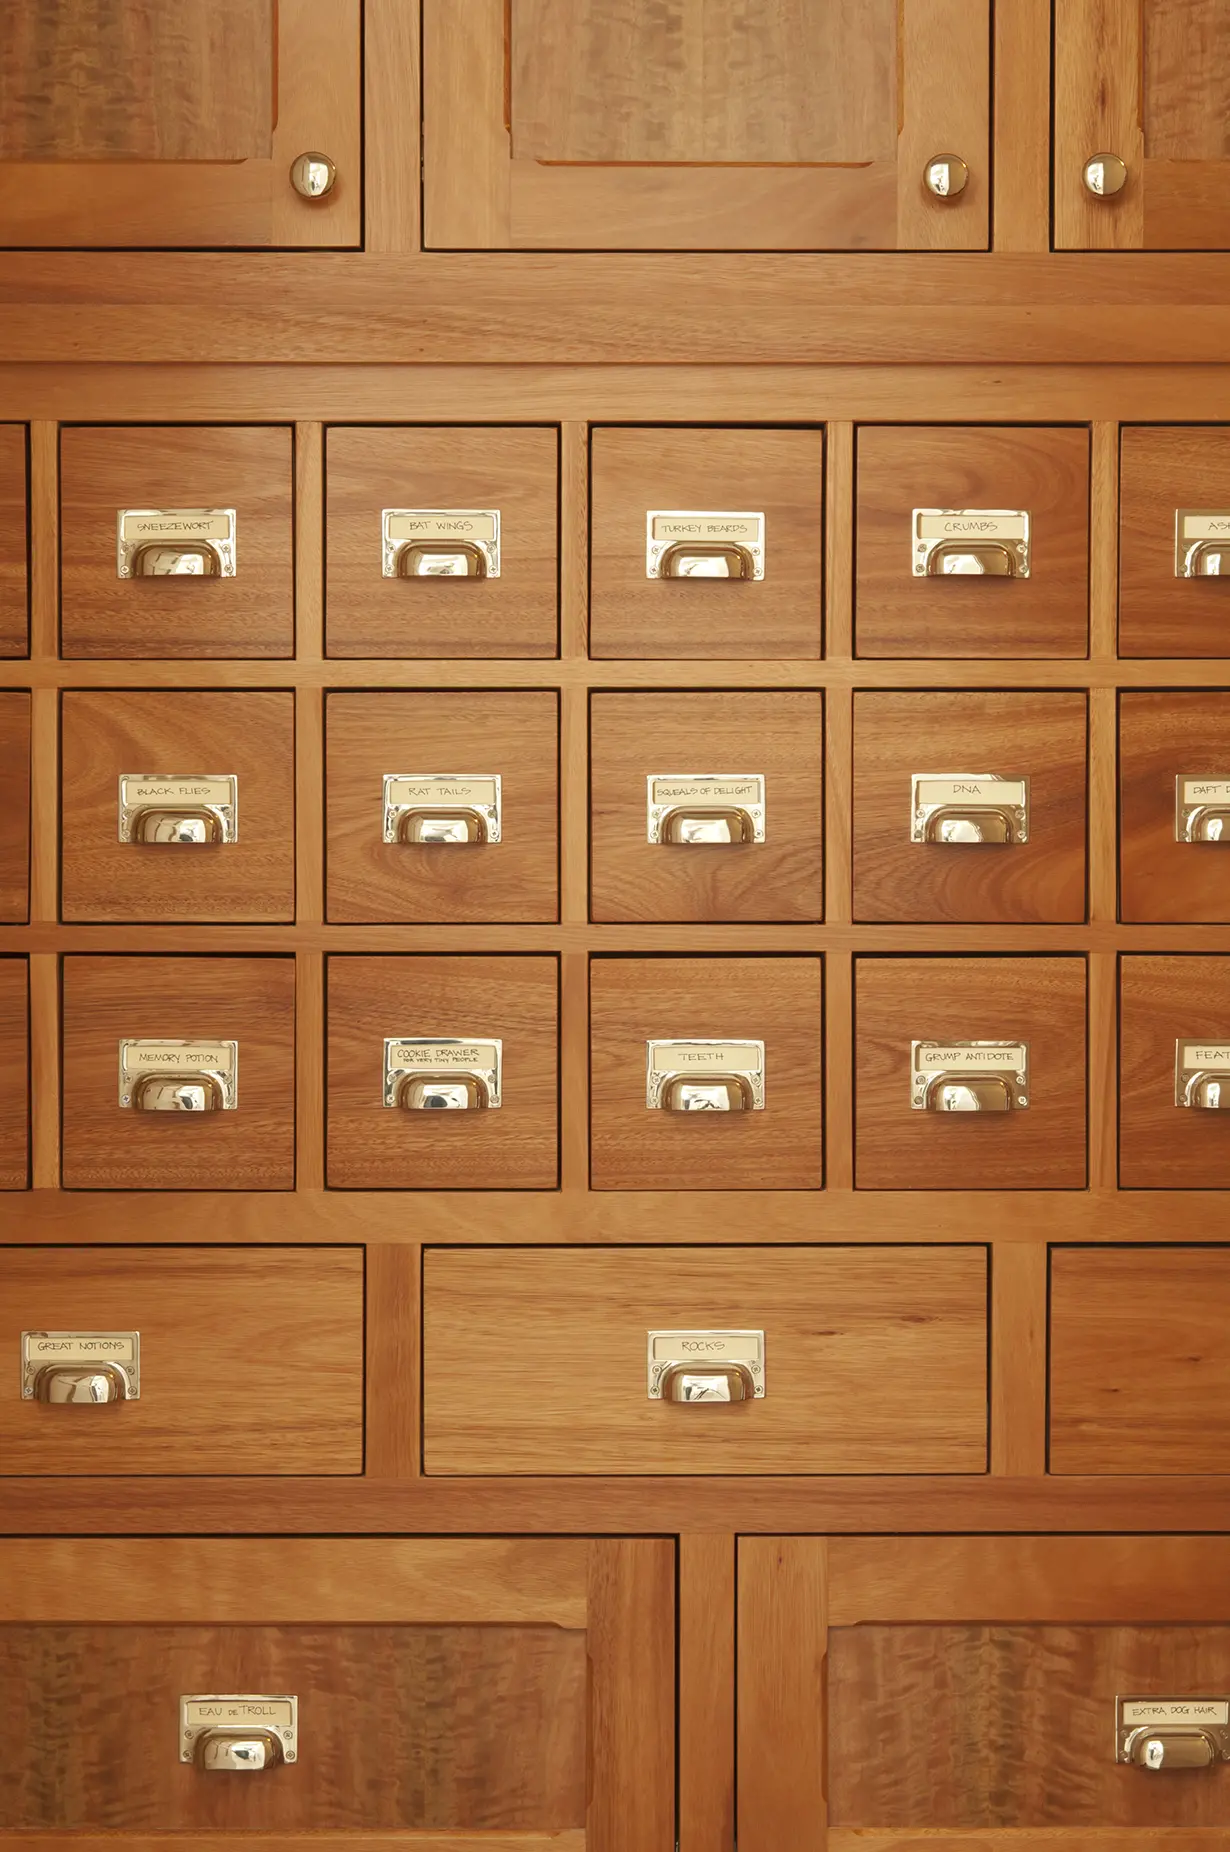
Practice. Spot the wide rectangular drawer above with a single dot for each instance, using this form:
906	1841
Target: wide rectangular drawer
870	1360
1174	1072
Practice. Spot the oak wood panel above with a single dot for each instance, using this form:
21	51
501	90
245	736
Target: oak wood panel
14	1075
1024	1839
1139	1376
943	49
1098	109
782	1636
251	1366
248	1000
14	582
631	1610
1042	471
779	737
1186	80
1162	999
708	1607
774	1000
1039	1001
1019	1309
14	806
515	736
875	1360
250	736
775	473
514	1146
1164	469
1022	125
1041	736
1164	735
513	470
104	469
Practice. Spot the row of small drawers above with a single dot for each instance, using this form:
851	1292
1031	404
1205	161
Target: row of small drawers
734	761
559	1360
988	492
706	1073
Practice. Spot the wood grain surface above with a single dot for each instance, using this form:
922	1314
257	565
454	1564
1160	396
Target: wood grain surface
1166	734
14	1074
1161	1145
1163	469
14	578
14	806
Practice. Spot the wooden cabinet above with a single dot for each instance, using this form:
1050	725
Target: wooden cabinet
200	785
501	1014
14	805
394	585
671	765
425	848
1147	85
1174	767
250	1359
927	1029
699	127
211	480
761	1012
1169	1004
1174	526
874	1360
14	573
972	541
233	1017
179	125
14	1075
940	831
504	1692
726	491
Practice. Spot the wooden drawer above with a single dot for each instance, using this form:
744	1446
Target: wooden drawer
211	1001
776	738
1165	1001
513	1001
475	734
14	1075
14	573
180	738
874	1360
511	1693
1164	736
1140	1380
1003	1002
968	1688
1162	470
104	469
959	738
14	805
510	471
223	1333
963	469
774	1001
776	474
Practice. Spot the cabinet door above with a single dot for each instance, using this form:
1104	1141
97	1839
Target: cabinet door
178	124
697	125
1147	85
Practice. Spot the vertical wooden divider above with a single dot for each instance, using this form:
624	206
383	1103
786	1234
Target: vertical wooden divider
782	1640
392	84
1018	1358
309	804
838	778
44	801
707	1693
393	1388
1021	127
574	803
1103	806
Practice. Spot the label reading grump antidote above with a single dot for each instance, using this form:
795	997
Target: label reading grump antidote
971	1057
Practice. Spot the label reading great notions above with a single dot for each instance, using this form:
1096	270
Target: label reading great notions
461	1056
706	1058
968	790
79	1347
1153	1712
439	524
744	528
960	1058
177	1057
970	524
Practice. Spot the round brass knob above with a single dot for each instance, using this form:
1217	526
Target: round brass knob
946	175
313	175
1105	175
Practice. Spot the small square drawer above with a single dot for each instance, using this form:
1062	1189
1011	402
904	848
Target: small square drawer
678	1044
443	1073
14	806
841	1360
1174	805
14	1075
969	806
408	509
1140	1377
177	806
176	540
179	1073
970	1074
443	806
439	1692
972	541
14	570
707	806
1174	1073
707	543
1174	540
188	1343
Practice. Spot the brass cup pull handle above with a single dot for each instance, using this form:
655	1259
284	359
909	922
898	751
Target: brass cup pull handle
1164	1749
1209	559
971	559
718	824
707	1382
1208	823
713	1093
430	824
970	825
441	559
691	559
191	827
969	1093
89	1384
238	1752
187	559
445	1092
202	1092
1208	1088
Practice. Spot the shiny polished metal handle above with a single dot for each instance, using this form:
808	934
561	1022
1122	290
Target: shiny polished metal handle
1164	1750
722	560
238	1752
987	560
67	1385
444	1092
178	1093
707	1382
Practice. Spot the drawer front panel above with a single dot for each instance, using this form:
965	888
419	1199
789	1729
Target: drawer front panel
874	1360
14	573
1166	736
14	805
1165	1001
14	1075
251	1360
1165	469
